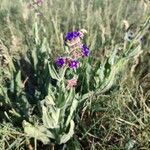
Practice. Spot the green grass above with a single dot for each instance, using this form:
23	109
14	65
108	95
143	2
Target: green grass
116	119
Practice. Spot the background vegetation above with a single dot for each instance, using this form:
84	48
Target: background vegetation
31	35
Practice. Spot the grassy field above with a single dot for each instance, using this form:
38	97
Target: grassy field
109	109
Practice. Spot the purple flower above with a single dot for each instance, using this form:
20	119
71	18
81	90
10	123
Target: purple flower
73	64
85	50
72	35
60	62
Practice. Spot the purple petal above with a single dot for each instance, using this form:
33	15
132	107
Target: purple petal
60	62
73	64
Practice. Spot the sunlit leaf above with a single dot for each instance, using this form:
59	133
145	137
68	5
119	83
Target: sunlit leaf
35	132
65	137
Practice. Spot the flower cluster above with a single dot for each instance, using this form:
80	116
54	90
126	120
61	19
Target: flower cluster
77	50
60	62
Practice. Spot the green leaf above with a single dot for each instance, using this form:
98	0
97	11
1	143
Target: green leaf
65	137
53	72
108	82
113	56
18	82
86	96
51	91
135	52
45	46
70	97
88	74
73	144
35	58
100	72
72	109
49	100
37	132
3	95
50	116
36	32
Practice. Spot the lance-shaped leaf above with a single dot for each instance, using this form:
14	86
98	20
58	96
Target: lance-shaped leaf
72	109
18	82
135	52
113	56
36	32
108	82
65	137
86	96
53	73
35	58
